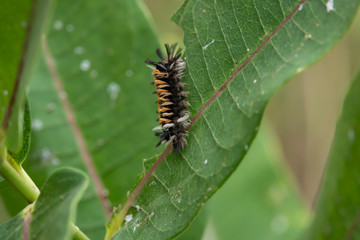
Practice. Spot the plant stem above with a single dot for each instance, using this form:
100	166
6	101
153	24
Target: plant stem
118	218
20	180
77	233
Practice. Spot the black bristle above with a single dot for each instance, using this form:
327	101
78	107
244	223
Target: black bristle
173	116
158	52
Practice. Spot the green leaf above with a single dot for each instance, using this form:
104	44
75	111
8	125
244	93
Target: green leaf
20	155
197	227
56	206
219	37
115	37
21	26
14	228
338	208
259	195
54	210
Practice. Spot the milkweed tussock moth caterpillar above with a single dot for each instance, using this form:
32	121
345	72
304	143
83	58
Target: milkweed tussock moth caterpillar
171	97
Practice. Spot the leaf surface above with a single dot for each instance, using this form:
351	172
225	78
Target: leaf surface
14	228
337	214
53	212
55	208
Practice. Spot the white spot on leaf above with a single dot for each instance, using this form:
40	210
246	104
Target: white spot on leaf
37	124
330	6
45	153
58	25
308	35
85	65
63	95
136	225
69	28
207	45
113	89
48	157
79	50
206	161
128	218
254	81
129	73
279	224
50	107
351	135
6	92
301	7
93	73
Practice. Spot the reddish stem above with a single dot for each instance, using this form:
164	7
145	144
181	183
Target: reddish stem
71	119
218	92
27	220
15	90
146	178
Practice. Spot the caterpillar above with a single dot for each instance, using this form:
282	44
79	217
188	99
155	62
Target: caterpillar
171	97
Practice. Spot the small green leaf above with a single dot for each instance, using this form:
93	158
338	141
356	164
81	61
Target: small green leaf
54	210
56	206
337	213
259	195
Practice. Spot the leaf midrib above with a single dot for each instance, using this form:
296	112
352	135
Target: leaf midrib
71	120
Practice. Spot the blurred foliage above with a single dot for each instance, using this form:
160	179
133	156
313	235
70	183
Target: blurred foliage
260	194
337	213
304	112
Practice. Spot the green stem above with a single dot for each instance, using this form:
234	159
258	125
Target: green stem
20	180
77	233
